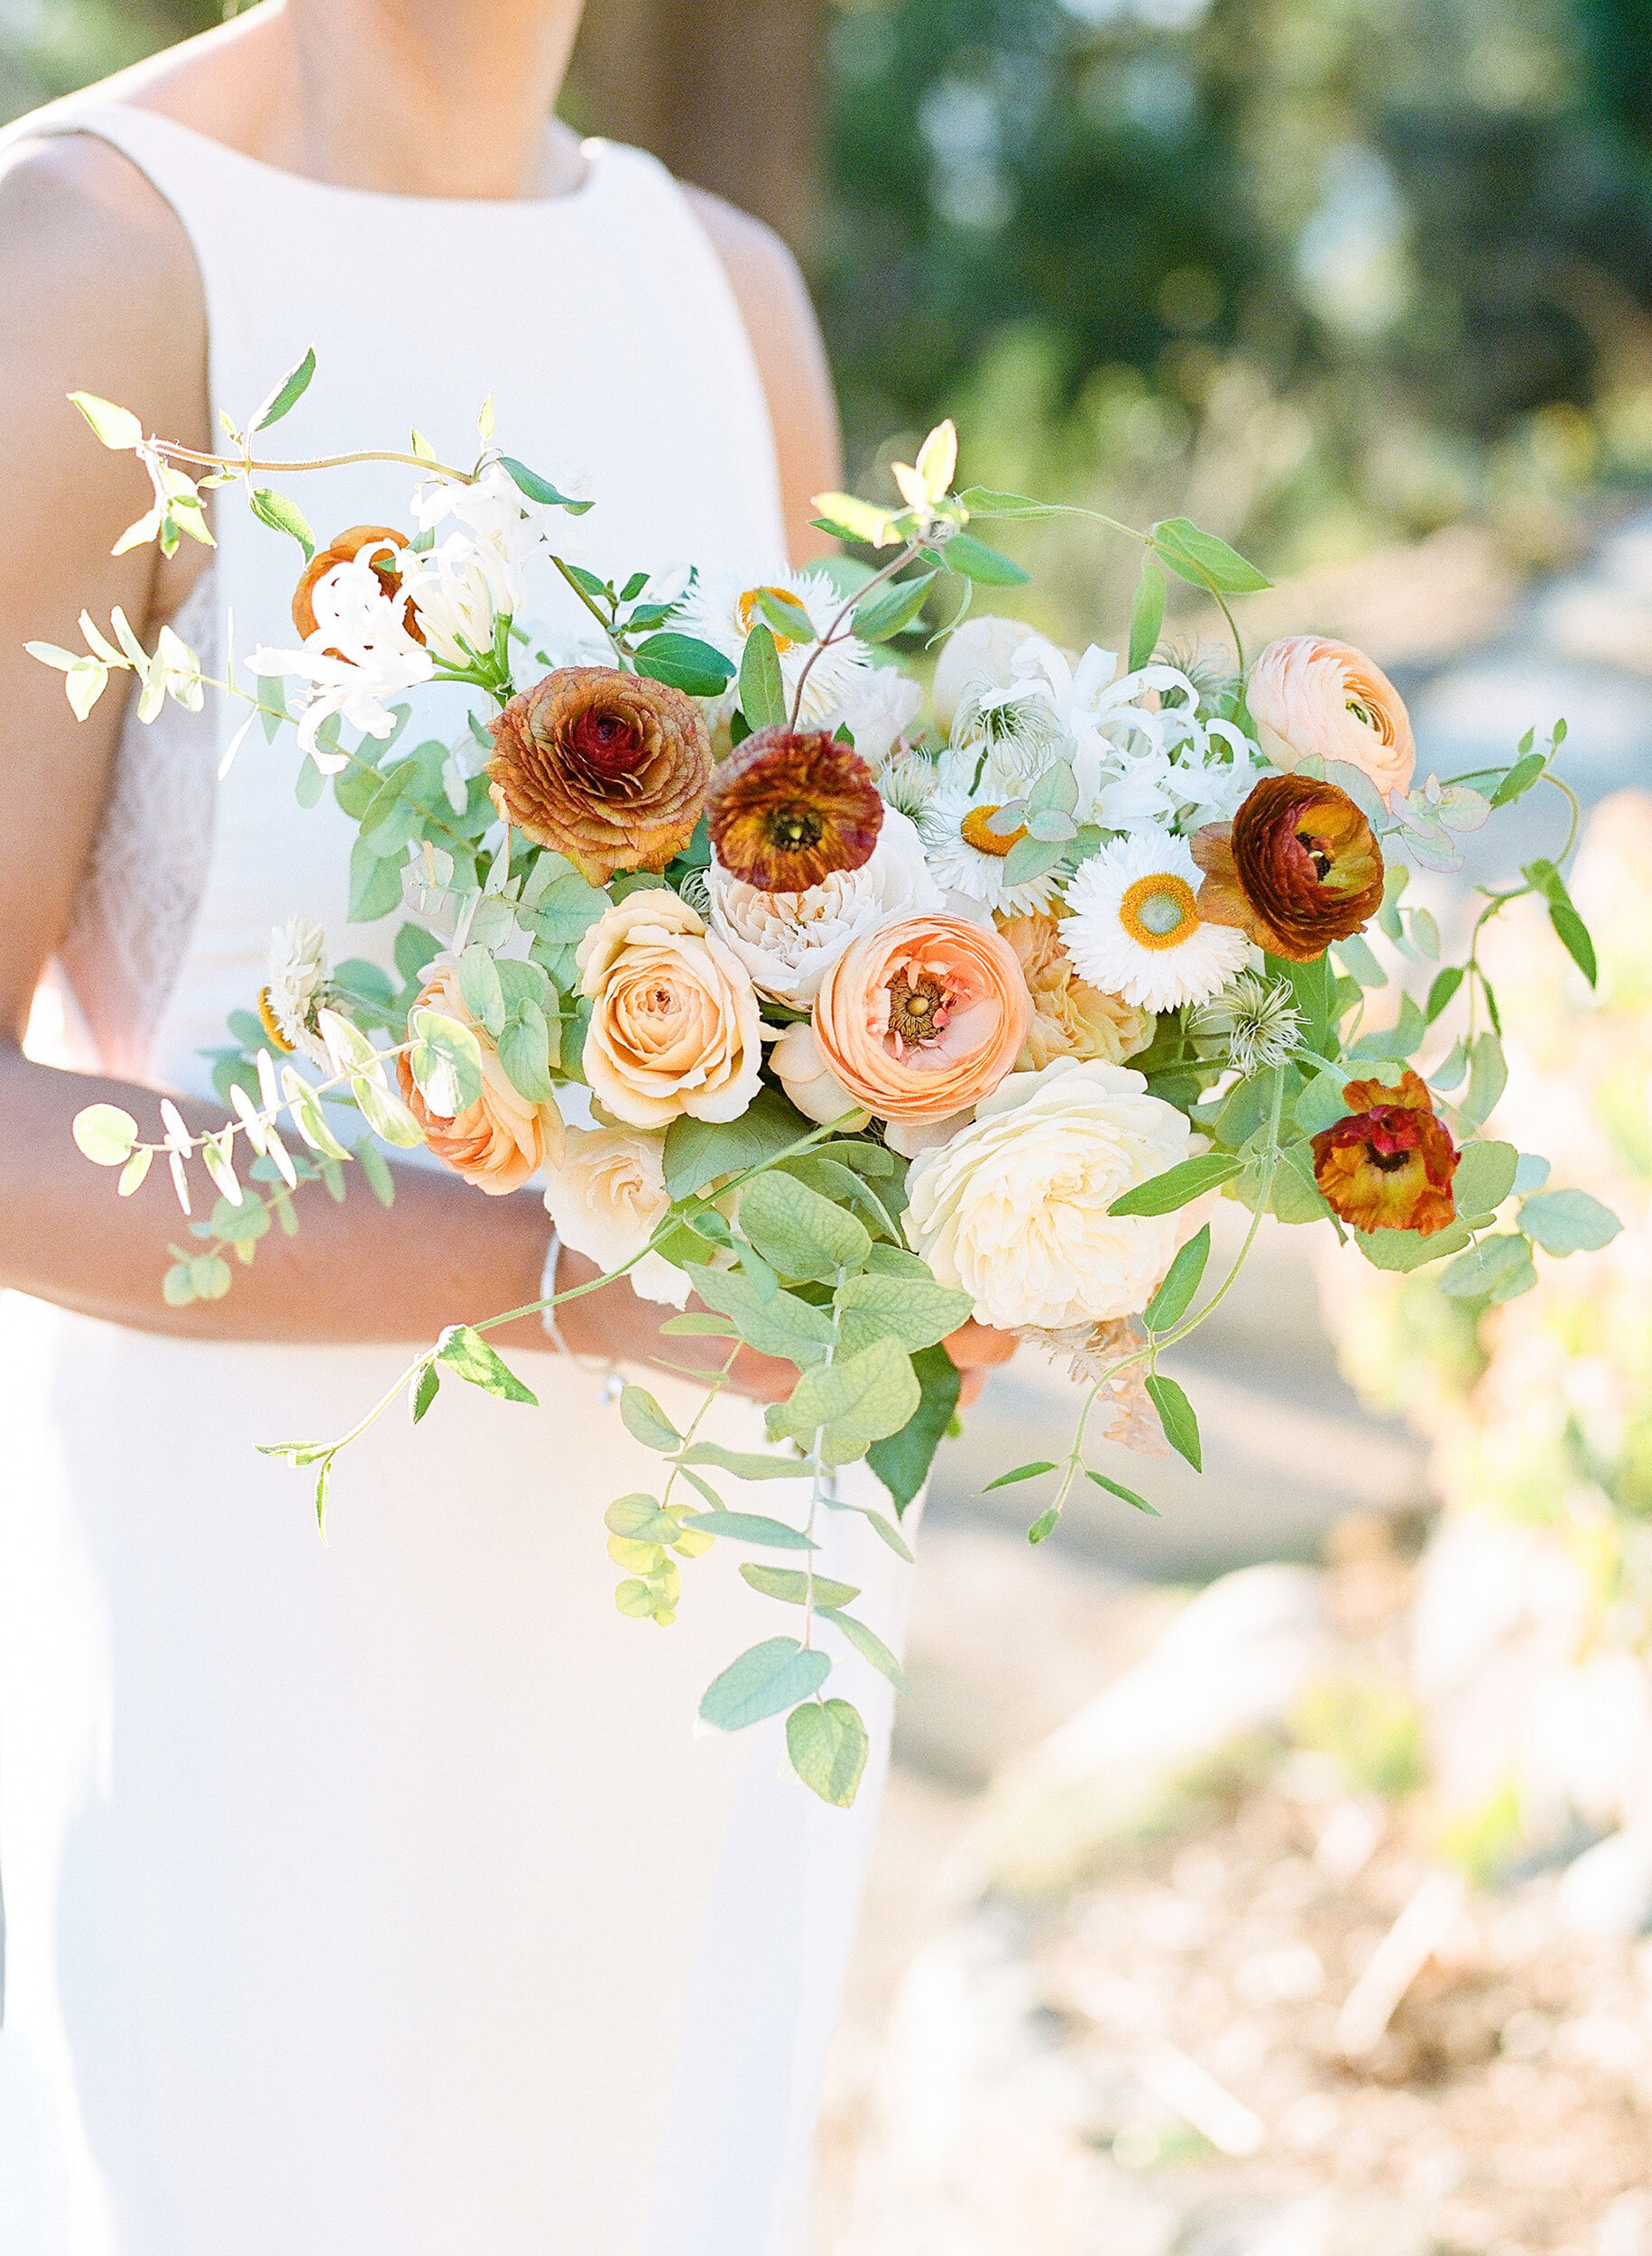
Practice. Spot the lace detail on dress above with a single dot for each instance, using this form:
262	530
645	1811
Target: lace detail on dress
147	873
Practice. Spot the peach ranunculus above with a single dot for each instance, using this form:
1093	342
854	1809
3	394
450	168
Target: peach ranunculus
923	1017
674	1022
500	1140
1070	1018
1312	696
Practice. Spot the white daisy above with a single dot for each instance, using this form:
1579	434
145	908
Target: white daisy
723	608
1135	931
298	986
966	857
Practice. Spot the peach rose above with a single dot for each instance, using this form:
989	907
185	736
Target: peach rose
1311	697
500	1140
674	1024
1070	1018
924	1017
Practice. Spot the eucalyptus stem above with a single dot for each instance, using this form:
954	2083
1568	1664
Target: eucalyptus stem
244	465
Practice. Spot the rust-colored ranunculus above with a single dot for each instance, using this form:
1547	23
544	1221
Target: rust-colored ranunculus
1297	868
790	806
380	543
608	768
1389	1164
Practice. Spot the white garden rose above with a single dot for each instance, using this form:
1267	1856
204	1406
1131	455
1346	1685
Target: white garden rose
788	942
882	708
607	1198
1013	1210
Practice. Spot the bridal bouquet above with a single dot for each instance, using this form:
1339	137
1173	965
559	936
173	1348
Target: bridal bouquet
833	1007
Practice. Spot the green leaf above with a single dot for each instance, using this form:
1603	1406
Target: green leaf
800	1233
469	1357
1402	1250
917	1311
901	1461
743	1463
751	1527
1488	1079
793	1587
1044	1525
539	489
1126	1495
1358	960
177	1289
1484	1176
1203	559
645	1421
1178	1185
777	1324
424	1390
117	428
764	1681
1170	1303
524	1052
274	510
886	1532
209	1275
892	607
697	1324
849	1404
568	908
1022	1473
700	1151
855	520
1520	779
1176	1415
1567	1222
869	1645
763	686
105	1135
684	662
828	1745
1445	985
638	1519
375	884
985	500
1392	1044
445	1059
1321	1104
480	986
986	567
785	615
1477	1273
286	395
1573	936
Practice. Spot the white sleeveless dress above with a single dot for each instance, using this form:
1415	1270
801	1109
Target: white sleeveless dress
377	1898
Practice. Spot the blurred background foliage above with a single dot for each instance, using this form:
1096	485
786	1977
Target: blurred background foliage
1324	274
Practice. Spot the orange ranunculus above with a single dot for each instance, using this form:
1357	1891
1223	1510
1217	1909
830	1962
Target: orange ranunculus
380	543
1388	1165
1297	868
924	1017
608	768
500	1140
1312	698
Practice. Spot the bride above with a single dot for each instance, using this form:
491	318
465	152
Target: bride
371	1898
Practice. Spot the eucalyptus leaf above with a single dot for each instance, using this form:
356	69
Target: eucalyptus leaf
798	1232
766	1679
752	1527
869	1645
828	1745
846	1406
918	1312
776	1324
1567	1222
645	1421
793	1587
468	1356
902	1460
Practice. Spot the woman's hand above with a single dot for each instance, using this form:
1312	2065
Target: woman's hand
976	1349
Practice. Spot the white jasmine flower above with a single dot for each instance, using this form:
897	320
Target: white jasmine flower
360	655
724	608
966	857
1134	930
1014	1210
297	985
477	573
788	942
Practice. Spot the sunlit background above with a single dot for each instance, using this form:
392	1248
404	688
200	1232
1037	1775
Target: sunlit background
1267	1879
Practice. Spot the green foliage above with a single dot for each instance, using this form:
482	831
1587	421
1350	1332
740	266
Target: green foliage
828	1746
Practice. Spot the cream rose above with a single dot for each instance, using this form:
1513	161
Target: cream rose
1312	696
674	1020
809	1082
1013	1210
607	1197
789	941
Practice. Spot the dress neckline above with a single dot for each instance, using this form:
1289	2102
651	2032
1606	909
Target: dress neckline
596	151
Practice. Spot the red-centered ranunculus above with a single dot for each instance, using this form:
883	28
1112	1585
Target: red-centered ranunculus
1297	868
790	806
608	768
1388	1165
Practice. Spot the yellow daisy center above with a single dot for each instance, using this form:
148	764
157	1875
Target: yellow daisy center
749	613
1158	911
975	830
267	1020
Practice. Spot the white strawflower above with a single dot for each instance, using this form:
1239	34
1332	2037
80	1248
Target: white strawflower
788	942
724	608
1256	1018
359	656
297	988
966	857
1014	1209
1135	930
607	1197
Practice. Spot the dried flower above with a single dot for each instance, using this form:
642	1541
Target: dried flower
1388	1165
1297	868
607	768
790	806
1125	1412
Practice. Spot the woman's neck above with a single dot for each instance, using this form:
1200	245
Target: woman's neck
417	97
